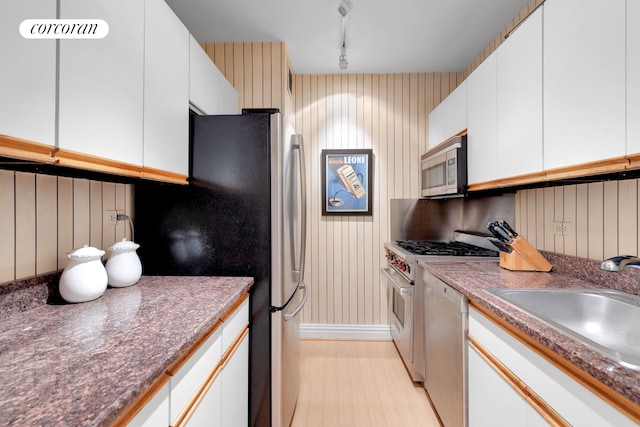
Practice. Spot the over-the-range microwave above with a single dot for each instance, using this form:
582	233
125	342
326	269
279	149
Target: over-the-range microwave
444	169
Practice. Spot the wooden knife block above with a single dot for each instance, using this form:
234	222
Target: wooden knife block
523	257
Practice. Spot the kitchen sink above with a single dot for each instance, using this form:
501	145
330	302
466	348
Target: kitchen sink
607	321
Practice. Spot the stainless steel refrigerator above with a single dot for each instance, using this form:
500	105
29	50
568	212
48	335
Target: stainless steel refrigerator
242	214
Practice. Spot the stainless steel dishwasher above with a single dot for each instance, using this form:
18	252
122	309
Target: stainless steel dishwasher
446	327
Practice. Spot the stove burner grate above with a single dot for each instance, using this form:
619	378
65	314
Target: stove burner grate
434	247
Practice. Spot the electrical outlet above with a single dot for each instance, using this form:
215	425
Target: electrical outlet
110	218
557	228
568	229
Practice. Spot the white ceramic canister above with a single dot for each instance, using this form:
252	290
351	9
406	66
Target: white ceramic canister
84	278
123	266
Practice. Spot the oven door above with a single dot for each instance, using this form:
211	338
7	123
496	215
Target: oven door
400	297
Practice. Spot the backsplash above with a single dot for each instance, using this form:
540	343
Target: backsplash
594	221
43	217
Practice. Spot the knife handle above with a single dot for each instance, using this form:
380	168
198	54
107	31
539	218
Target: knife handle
504	224
500	233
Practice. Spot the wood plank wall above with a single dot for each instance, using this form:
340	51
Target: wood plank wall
44	217
601	219
387	113
258	71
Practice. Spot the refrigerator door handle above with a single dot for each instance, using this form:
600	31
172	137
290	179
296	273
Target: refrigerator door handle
298	270
289	316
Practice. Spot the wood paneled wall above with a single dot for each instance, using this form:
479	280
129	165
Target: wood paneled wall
387	113
601	219
258	71
44	217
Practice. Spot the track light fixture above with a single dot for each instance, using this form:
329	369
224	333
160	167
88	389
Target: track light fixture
343	58
345	7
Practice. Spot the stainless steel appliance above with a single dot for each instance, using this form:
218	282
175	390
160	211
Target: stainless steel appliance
243	214
444	169
406	294
446	327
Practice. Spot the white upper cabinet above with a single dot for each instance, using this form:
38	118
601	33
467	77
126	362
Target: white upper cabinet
209	90
28	83
101	82
482	146
166	90
584	81
519	99
449	117
633	77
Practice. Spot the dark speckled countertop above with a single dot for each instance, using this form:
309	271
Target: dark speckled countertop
471	277
83	364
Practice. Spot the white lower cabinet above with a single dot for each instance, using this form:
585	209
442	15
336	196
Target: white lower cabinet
511	370
211	388
485	409
155	412
235	383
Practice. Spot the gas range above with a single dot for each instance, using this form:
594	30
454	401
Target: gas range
403	255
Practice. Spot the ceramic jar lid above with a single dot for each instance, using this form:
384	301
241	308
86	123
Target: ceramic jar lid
86	253
124	245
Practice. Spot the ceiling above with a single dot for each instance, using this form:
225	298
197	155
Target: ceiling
383	36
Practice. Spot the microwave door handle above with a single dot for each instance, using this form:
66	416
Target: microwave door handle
298	269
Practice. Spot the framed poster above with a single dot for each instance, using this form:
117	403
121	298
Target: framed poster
346	182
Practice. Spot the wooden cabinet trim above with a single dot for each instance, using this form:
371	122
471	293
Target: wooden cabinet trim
616	164
234	307
161	175
618	401
99	164
130	413
41	153
26	150
175	366
535	401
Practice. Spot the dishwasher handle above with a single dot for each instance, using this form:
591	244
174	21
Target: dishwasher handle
454	297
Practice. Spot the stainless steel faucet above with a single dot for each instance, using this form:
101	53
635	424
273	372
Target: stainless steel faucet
620	262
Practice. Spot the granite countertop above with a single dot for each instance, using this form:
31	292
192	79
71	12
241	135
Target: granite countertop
83	364
471	277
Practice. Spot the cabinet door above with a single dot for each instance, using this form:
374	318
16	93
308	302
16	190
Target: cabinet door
584	81
572	401
156	412
166	90
456	111
207	414
209	90
437	125
493	402
186	382
28	83
449	117
482	146
235	387
101	82
519	100
633	77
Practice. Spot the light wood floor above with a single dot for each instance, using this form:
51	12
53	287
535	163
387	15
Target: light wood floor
358	384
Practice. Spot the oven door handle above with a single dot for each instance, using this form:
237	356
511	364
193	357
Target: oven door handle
403	290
